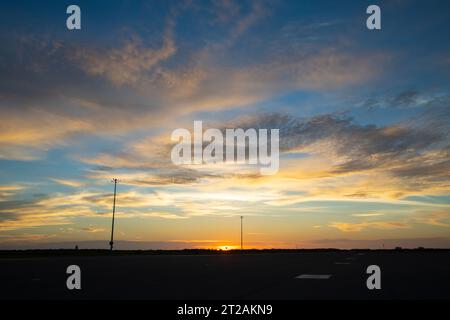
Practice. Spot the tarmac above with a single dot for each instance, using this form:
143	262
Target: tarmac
311	275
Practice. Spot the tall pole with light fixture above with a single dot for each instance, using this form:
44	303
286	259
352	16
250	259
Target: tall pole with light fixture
111	243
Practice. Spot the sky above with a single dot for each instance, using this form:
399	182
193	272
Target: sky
364	119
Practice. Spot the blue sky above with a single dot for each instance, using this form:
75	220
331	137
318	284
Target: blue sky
363	117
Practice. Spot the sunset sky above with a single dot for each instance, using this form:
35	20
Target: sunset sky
364	121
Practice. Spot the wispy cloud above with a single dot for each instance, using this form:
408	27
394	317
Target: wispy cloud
92	229
370	214
69	183
360	226
129	64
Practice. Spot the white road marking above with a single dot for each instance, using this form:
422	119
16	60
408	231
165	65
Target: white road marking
314	276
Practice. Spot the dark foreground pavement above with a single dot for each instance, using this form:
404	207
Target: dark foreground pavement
404	275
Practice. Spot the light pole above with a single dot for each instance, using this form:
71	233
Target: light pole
111	243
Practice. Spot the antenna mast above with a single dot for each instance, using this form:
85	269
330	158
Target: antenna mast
111	243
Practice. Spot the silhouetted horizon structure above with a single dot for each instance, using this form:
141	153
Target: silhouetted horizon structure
111	243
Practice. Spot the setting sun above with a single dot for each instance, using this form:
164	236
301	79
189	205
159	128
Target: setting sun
226	248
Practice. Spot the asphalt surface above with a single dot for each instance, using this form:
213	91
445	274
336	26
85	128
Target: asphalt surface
404	275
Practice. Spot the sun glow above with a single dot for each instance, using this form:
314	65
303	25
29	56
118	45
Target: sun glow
226	248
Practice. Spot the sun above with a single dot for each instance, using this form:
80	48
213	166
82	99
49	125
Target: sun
226	248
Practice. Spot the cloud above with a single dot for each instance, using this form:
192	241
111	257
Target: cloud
55	92
92	229
435	218
335	158
161	177
69	183
410	98
61	208
411	155
11	187
8	191
360	226
23	238
54	209
256	13
161	215
127	65
370	214
349	139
